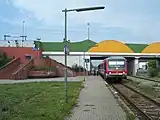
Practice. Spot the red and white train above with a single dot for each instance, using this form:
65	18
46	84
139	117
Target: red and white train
113	67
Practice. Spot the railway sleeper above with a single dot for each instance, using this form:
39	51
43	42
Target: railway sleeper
155	114
147	106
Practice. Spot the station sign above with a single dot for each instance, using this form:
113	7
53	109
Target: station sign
66	50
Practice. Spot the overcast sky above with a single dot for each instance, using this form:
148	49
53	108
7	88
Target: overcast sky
133	21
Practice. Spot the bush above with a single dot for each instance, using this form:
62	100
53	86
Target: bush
41	68
77	68
3	59
152	64
153	72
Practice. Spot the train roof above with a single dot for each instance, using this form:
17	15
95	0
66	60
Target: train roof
112	57
115	57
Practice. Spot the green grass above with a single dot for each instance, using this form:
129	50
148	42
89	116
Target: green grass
37	101
130	116
145	88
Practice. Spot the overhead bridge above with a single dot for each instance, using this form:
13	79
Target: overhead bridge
136	54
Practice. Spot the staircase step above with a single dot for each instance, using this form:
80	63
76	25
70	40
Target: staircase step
9	73
17	68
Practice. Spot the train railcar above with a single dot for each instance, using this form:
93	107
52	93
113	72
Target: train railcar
113	67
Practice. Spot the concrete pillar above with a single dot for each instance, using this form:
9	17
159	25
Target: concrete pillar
136	65
130	67
90	64
157	63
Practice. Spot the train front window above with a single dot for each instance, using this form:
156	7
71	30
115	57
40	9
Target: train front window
116	64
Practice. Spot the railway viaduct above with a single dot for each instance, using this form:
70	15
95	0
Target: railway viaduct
85	53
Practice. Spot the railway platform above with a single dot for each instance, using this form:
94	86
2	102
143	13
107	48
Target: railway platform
96	102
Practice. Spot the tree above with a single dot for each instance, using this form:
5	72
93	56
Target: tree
152	70
77	68
3	59
152	64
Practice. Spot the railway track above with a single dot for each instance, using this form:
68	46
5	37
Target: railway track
144	107
148	79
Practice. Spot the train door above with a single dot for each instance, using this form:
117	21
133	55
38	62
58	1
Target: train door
104	67
126	66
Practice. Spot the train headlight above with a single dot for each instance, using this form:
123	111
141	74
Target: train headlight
123	72
109	72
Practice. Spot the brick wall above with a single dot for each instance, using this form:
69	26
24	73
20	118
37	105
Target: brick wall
41	74
23	72
6	70
21	52
80	73
42	62
9	71
60	68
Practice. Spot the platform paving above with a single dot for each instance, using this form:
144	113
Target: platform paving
96	102
73	79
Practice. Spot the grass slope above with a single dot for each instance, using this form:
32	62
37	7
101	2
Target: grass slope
37	101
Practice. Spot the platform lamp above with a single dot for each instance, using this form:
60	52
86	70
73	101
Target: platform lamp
65	39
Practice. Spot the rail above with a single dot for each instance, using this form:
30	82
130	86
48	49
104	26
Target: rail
147	97
145	106
148	79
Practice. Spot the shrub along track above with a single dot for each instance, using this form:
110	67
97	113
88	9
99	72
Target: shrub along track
144	107
148	86
148	79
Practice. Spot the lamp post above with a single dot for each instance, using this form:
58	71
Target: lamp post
23	32
65	39
23	29
84	65
23	36
88	24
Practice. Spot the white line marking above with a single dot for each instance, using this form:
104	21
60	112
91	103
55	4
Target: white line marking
105	82
113	91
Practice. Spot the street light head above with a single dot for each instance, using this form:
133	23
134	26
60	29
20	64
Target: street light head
38	39
84	9
22	36
7	35
89	8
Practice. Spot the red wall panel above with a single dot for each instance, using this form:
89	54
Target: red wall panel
21	52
